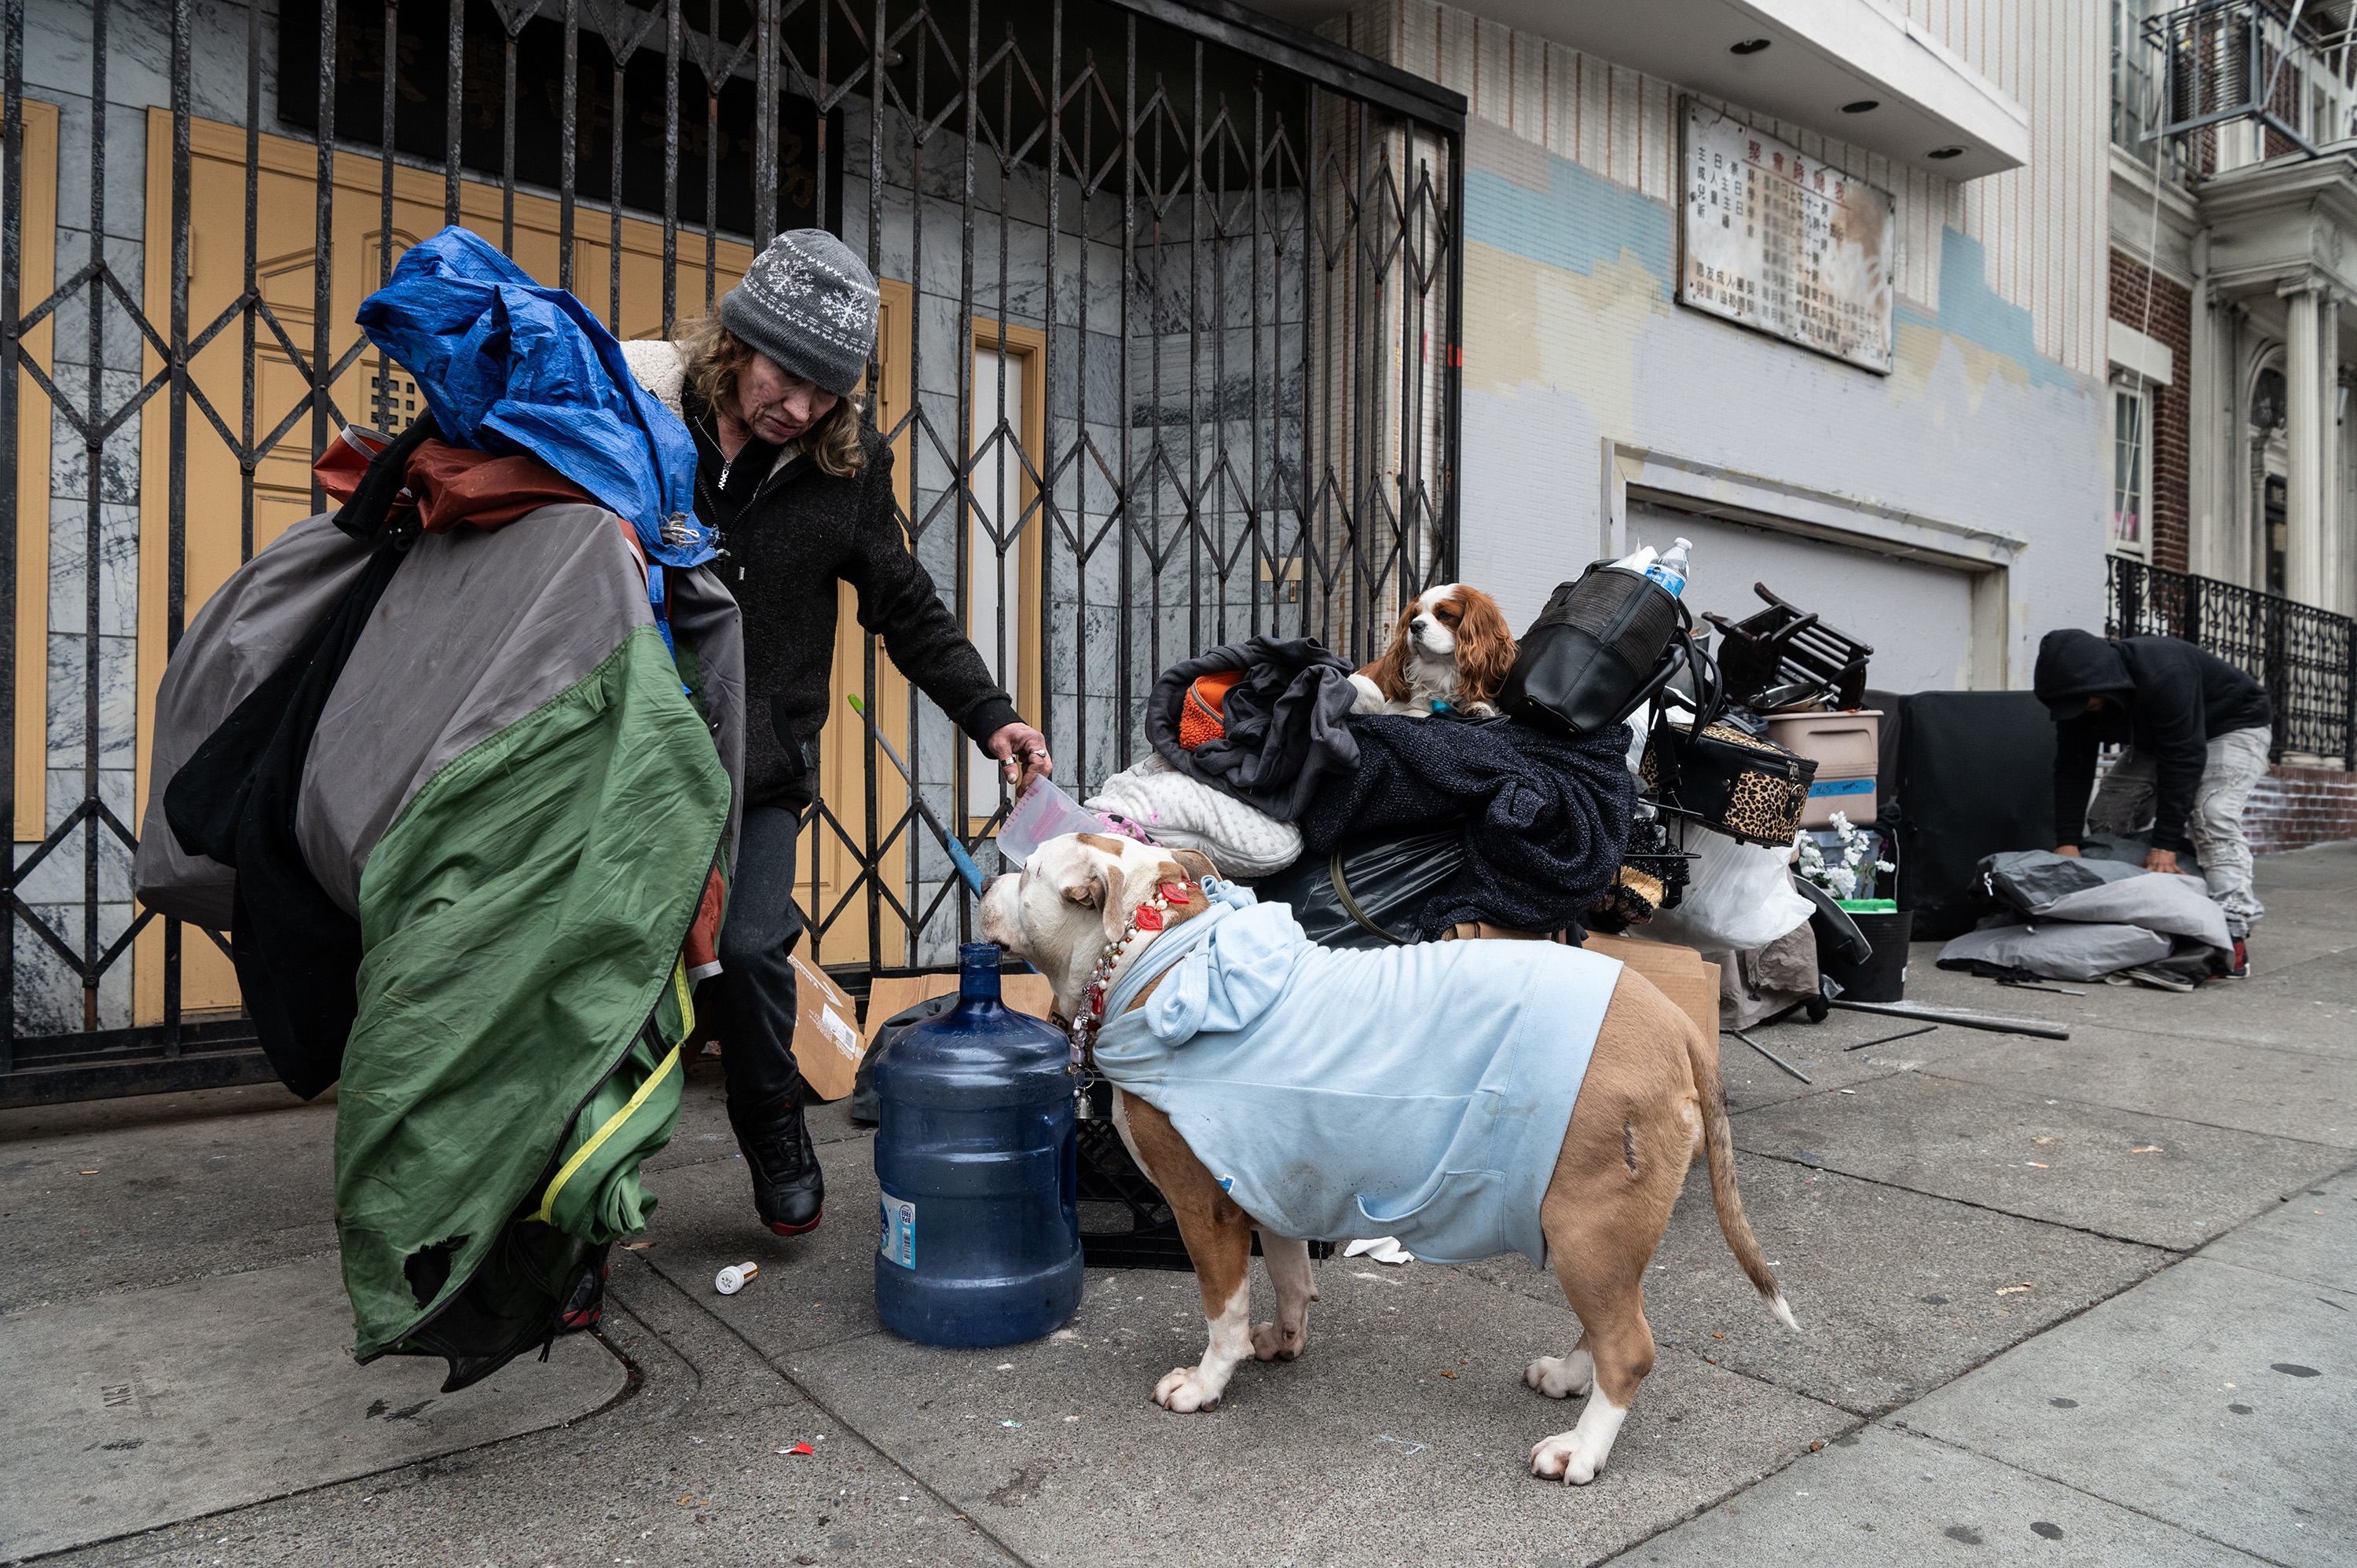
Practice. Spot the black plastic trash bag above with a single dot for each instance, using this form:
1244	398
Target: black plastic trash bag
866	1109
1369	892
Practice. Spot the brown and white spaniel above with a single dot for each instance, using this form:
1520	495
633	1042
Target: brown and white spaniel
1450	649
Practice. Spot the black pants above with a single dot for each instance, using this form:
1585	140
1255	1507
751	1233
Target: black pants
752	998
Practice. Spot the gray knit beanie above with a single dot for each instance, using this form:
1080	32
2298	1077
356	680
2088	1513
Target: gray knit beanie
809	304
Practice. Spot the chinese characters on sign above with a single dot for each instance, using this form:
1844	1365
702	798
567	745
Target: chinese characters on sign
1780	241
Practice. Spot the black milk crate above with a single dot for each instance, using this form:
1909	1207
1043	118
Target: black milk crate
1125	1224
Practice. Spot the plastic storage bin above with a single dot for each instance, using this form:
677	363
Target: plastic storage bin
1846	747
976	1154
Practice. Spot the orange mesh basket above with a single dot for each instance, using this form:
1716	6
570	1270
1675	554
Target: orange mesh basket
1199	717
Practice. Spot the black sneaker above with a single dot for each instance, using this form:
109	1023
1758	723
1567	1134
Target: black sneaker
788	1186
2241	968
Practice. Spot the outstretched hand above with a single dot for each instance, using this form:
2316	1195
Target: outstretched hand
1022	754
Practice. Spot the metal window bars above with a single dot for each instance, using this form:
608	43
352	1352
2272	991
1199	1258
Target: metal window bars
1233	247
2226	60
2307	658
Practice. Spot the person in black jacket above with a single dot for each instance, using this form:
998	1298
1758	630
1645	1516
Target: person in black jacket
803	496
2197	730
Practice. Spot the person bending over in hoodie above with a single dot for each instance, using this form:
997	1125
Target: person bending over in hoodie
2197	730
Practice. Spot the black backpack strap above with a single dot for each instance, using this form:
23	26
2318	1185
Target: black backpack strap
1351	904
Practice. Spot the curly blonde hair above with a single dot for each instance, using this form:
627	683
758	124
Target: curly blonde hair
714	358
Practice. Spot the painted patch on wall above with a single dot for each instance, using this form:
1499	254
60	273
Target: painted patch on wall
1578	220
1979	317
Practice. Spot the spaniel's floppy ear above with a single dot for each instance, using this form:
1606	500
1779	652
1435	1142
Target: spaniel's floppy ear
1390	672
1485	647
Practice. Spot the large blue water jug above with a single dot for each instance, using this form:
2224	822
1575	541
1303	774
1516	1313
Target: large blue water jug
977	1159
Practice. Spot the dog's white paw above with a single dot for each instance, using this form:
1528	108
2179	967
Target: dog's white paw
1565	1458
1562	1376
1185	1389
1270	1342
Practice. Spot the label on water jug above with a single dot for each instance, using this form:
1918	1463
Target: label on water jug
898	1244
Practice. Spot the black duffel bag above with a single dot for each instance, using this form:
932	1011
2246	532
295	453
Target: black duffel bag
1600	649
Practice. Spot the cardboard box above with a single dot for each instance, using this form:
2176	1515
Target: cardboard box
827	1043
1679	972
888	994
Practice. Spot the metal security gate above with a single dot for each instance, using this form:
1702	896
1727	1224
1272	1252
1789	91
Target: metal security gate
1168	359
2305	657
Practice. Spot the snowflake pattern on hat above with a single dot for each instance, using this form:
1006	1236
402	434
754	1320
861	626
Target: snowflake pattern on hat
809	304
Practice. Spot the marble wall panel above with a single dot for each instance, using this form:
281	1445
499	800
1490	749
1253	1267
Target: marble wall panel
217	60
118	579
49	996
937	166
1088	254
121	342
126	146
116	713
118	459
1093	739
59	877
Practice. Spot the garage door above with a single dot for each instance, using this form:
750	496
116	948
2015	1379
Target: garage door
1917	618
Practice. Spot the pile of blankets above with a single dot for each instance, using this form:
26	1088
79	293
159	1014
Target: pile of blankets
1539	823
1181	810
1545	820
2071	917
1286	723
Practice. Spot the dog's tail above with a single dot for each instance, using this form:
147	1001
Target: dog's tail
1718	1145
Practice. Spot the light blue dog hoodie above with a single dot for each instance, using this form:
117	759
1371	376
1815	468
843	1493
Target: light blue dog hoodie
1419	1091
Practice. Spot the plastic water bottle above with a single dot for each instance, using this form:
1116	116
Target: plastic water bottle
977	1158
1668	568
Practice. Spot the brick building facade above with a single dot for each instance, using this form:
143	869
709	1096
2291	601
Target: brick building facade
2159	308
2296	807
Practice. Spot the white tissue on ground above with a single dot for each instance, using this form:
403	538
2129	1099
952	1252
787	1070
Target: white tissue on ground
1382	1249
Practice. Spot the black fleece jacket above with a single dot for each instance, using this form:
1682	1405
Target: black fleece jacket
801	532
2162	695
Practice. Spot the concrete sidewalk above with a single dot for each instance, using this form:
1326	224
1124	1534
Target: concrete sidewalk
2092	1302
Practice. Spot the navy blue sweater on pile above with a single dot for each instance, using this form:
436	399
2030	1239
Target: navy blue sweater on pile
1546	820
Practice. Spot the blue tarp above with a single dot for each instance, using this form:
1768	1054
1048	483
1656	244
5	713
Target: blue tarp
509	366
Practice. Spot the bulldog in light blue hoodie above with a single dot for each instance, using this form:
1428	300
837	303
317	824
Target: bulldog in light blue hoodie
1468	1098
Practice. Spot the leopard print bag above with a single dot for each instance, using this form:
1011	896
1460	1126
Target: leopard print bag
1743	785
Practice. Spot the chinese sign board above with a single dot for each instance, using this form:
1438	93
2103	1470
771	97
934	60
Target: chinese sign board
1781	242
